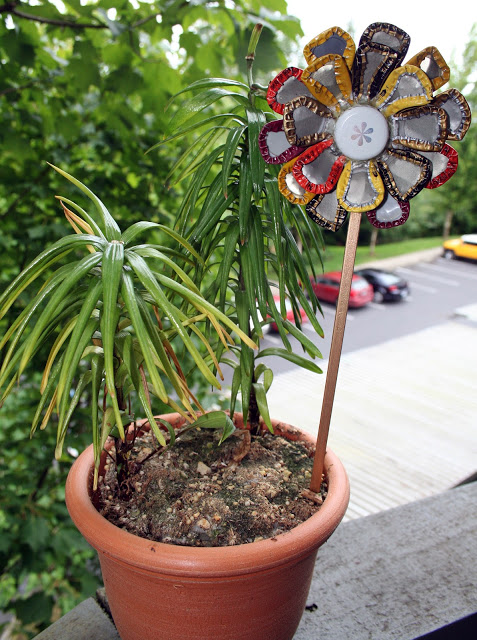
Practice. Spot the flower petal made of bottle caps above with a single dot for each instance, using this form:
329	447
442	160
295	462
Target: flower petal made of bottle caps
334	40
433	65
317	169
405	87
444	165
404	173
388	35
360	187
274	145
391	213
286	86
328	79
422	128
290	188
326	212
306	121
458	113
373	63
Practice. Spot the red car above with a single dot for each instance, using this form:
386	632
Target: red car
326	287
290	316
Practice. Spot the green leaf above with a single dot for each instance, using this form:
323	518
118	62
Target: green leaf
267	373
230	243
291	357
112	231
208	83
76	343
81	270
249	276
83	214
256	122
309	346
144	340
35	532
36	608
83	381
97	366
133	368
216	420
112	265
148	280
197	125
201	101
261	398
203	305
245	196
42	262
231	144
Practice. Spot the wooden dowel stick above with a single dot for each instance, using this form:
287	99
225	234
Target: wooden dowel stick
335	350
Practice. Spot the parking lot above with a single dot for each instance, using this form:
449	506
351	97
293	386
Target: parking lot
438	288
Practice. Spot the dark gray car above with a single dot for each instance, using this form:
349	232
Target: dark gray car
386	285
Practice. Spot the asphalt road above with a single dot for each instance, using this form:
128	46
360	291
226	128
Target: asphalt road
438	288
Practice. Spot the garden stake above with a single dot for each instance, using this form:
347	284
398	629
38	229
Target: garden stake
335	350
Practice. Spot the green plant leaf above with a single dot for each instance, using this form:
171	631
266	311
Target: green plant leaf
309	346
256	121
148	280
197	125
204	306
42	262
82	268
261	398
216	420
249	276
233	140
133	369
111	271
73	350
201	101
223	275
291	357
63	425
96	229
245	196
112	231
207	83
144	340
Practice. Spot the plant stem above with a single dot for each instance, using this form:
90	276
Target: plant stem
250	57
335	350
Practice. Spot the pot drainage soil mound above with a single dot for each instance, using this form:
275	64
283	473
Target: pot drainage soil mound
200	494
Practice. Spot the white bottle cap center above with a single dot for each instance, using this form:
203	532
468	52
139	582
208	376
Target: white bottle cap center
361	133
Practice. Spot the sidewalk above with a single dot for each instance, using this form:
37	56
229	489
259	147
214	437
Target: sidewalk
405	260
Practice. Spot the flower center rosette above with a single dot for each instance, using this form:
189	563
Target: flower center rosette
360	131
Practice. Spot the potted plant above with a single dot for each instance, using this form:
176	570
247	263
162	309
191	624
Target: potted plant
130	319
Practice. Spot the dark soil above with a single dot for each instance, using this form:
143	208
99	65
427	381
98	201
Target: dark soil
200	494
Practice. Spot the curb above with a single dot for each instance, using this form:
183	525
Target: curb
407	259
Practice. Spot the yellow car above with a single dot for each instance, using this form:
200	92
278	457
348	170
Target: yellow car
463	247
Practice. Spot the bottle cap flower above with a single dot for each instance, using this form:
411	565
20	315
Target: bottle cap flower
360	130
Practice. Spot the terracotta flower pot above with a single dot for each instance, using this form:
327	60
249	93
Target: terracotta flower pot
253	591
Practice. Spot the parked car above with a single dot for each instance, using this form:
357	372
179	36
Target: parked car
463	247
290	315
386	285
326	287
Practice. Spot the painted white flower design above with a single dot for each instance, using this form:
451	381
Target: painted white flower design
362	134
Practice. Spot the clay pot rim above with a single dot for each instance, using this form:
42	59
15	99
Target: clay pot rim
209	562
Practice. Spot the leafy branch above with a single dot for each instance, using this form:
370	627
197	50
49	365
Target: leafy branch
12	9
